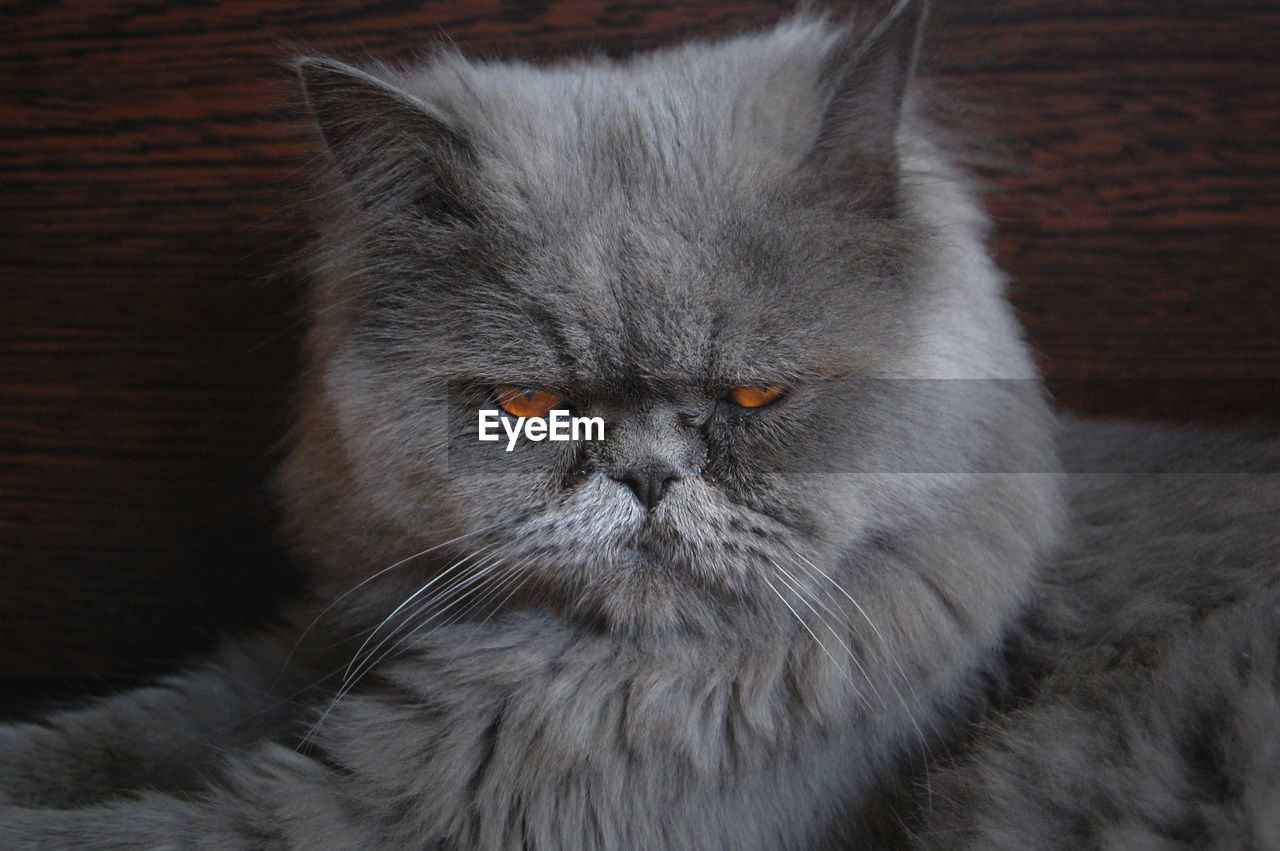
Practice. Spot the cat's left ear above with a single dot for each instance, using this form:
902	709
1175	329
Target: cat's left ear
392	148
867	71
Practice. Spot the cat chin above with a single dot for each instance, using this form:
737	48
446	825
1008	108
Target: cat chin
657	581
613	558
639	596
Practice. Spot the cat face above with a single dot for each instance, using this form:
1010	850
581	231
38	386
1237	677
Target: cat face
713	250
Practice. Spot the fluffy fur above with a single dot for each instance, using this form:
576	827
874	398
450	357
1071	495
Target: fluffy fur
1148	717
509	650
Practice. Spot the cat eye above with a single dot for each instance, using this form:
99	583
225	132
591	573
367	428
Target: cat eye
526	401
757	397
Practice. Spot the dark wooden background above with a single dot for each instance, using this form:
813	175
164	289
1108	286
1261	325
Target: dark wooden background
149	153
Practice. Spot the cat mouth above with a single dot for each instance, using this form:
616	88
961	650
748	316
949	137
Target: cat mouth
654	542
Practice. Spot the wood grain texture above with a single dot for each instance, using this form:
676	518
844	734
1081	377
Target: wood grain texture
149	160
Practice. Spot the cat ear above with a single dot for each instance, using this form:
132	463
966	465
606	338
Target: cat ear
391	147
868	71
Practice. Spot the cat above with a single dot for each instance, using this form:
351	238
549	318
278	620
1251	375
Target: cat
835	575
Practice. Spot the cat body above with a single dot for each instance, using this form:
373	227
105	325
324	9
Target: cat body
725	625
1148	718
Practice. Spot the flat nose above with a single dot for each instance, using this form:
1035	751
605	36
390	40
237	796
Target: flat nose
649	486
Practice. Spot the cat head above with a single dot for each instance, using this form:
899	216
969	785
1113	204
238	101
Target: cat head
750	258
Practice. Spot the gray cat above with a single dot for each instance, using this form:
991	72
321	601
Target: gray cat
823	582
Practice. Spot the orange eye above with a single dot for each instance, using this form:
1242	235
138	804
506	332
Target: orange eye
757	397
526	402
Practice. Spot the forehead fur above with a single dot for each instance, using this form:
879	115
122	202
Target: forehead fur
642	219
699	116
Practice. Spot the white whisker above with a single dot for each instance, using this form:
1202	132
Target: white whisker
879	635
293	651
925	750
818	641
358	667
409	600
801	592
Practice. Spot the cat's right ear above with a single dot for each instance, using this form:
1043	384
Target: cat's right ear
391	148
868	71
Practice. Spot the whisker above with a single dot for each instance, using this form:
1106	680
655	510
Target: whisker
410	599
455	596
358	667
925	750
355	671
879	635
293	651
483	597
817	641
801	592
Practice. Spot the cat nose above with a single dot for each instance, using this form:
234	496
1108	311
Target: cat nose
649	486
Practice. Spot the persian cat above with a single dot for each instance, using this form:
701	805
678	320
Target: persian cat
834	576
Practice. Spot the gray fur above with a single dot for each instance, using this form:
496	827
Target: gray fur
1154	720
831	587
